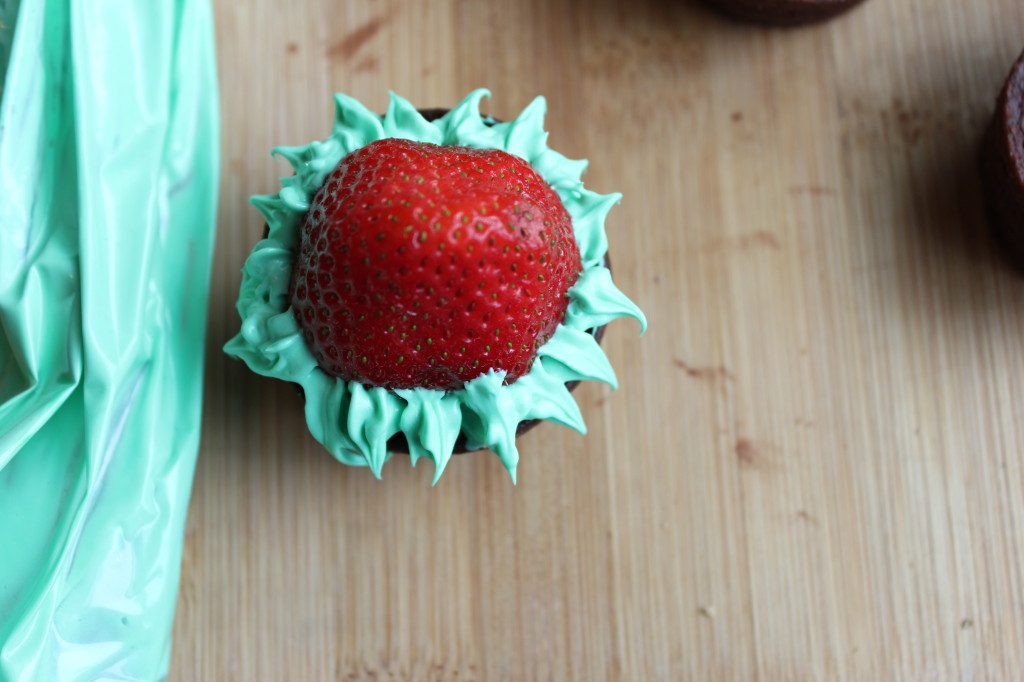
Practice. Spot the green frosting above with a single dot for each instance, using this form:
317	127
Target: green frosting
109	139
353	422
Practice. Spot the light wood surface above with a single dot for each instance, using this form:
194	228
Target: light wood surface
813	468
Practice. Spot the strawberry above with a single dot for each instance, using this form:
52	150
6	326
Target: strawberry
426	266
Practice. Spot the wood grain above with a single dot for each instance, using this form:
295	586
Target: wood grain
813	469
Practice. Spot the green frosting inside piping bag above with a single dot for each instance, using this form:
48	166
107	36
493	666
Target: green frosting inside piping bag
108	171
353	422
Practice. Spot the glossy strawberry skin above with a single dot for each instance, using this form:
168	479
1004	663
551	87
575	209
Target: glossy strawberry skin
426	266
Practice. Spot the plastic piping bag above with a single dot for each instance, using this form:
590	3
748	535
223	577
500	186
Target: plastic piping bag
108	184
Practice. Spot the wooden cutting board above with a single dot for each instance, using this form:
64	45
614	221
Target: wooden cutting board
813	469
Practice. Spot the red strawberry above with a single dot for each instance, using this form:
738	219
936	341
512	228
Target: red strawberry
426	266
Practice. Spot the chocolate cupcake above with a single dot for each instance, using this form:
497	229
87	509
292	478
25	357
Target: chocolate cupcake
784	12
432	280
1002	166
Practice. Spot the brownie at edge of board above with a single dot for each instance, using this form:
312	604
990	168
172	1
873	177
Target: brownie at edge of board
1002	167
783	12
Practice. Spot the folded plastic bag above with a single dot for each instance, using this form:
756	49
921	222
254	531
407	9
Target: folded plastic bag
108	185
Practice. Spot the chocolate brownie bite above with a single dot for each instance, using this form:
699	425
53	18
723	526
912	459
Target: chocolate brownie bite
783	12
1002	167
432	282
398	443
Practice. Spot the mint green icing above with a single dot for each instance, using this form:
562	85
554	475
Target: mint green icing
108	173
353	422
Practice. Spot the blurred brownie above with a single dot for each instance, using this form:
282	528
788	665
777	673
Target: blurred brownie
1002	166
783	12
